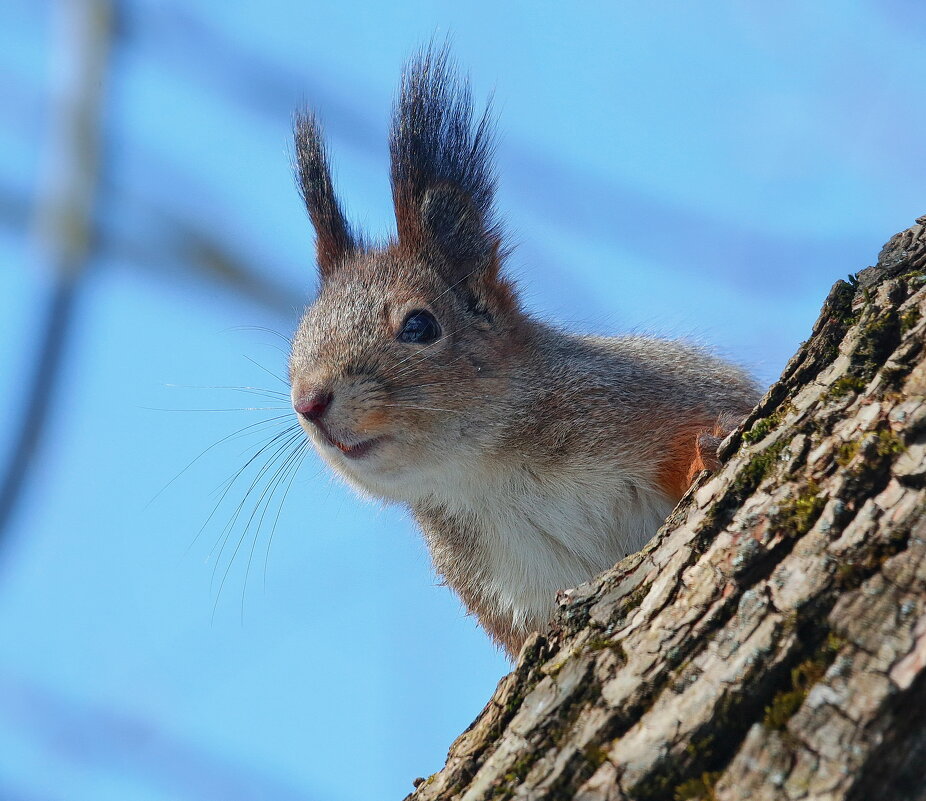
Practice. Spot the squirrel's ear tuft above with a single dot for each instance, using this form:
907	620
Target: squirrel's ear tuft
452	224
334	239
443	180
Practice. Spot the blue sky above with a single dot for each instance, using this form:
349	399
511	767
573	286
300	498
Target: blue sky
664	167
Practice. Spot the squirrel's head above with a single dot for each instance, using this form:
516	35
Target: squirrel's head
400	364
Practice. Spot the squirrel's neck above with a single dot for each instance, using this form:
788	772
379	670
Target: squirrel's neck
535	362
557	395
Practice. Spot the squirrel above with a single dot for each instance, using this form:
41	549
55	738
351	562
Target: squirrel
532	458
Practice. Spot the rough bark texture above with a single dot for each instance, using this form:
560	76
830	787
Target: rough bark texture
770	642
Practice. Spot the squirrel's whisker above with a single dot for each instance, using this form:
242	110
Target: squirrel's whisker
423	408
231	524
273	485
240	409
234	435
425	357
230	482
285	338
423	351
303	449
259	366
280	442
244	389
406	387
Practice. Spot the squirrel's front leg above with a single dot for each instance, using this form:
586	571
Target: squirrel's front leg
692	449
708	443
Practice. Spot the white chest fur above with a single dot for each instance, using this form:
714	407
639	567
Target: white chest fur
522	537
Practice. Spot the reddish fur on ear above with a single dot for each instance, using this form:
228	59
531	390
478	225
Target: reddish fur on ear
500	290
408	220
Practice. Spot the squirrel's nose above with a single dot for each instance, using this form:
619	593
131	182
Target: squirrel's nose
313	405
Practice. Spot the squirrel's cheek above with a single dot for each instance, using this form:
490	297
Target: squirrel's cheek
373	420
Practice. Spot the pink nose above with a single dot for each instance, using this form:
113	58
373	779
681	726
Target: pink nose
313	405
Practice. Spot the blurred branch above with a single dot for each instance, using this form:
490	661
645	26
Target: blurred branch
96	738
14	210
64	217
210	258
199	51
172	239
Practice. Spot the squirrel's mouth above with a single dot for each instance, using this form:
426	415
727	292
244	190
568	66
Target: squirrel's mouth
350	451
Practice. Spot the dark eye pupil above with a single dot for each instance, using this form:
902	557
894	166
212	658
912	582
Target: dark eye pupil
420	327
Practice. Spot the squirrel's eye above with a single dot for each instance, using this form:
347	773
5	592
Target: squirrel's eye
419	327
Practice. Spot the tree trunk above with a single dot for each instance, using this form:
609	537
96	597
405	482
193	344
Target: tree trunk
770	642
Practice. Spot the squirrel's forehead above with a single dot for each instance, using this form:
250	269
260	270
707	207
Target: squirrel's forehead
352	304
392	272
352	308
372	289
340	328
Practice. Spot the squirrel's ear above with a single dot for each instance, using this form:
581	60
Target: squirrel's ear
452	223
454	227
334	239
443	179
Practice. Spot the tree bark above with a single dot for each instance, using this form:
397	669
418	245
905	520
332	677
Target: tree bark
770	642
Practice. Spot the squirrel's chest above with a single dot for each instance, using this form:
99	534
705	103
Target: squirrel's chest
507	547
